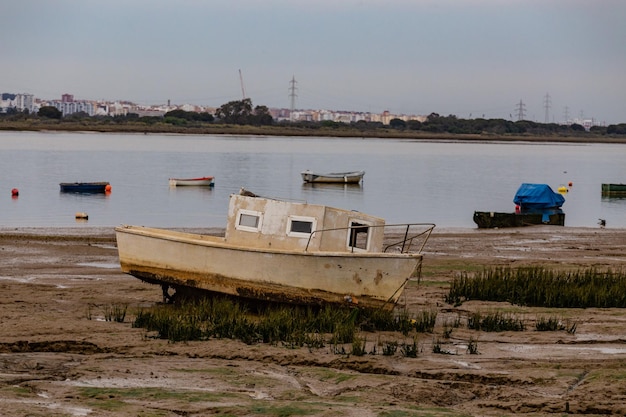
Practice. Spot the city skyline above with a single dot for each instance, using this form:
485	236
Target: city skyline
67	104
471	59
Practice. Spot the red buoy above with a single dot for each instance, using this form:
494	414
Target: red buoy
570	184
15	192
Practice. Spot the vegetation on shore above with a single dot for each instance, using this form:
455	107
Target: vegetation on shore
541	287
297	327
240	118
291	326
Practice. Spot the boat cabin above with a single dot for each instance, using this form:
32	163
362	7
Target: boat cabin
284	225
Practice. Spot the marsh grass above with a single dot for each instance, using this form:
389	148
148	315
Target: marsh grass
472	346
540	287
390	348
343	333
571	328
410	350
288	326
358	346
114	312
495	322
549	324
402	321
425	321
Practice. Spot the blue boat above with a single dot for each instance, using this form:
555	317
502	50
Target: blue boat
85	187
534	204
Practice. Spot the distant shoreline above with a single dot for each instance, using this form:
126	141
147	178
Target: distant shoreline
337	132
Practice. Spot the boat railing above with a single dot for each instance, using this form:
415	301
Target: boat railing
403	235
406	242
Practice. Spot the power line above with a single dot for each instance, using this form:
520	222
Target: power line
292	93
547	103
520	109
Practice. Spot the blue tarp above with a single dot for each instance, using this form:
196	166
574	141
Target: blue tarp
535	197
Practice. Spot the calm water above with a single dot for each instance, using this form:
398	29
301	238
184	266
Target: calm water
405	181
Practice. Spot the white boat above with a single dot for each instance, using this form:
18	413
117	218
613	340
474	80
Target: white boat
352	177
205	181
280	251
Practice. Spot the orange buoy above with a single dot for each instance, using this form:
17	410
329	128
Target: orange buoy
82	216
15	192
107	188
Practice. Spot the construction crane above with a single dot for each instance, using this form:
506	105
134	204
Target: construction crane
243	91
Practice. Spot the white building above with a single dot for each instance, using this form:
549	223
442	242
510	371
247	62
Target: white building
24	102
71	107
20	102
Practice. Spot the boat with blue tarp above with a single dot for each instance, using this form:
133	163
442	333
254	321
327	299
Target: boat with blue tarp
534	204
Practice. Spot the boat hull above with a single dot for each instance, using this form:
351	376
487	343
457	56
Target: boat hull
190	261
486	219
83	187
204	181
614	190
333	178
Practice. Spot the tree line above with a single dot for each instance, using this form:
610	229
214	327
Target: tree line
242	112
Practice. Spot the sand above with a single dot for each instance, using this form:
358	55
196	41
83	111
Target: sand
59	356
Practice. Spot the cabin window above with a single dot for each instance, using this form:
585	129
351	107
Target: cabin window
358	236
300	226
249	220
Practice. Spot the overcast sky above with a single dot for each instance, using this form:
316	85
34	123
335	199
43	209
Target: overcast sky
464	57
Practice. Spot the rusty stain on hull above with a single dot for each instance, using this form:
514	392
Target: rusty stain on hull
379	277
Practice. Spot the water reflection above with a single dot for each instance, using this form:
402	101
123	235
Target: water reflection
332	186
71	196
194	189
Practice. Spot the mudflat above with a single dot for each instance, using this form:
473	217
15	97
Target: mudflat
60	356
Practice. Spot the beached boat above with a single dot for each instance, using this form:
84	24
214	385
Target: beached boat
494	220
85	187
535	204
200	181
352	177
281	251
614	190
